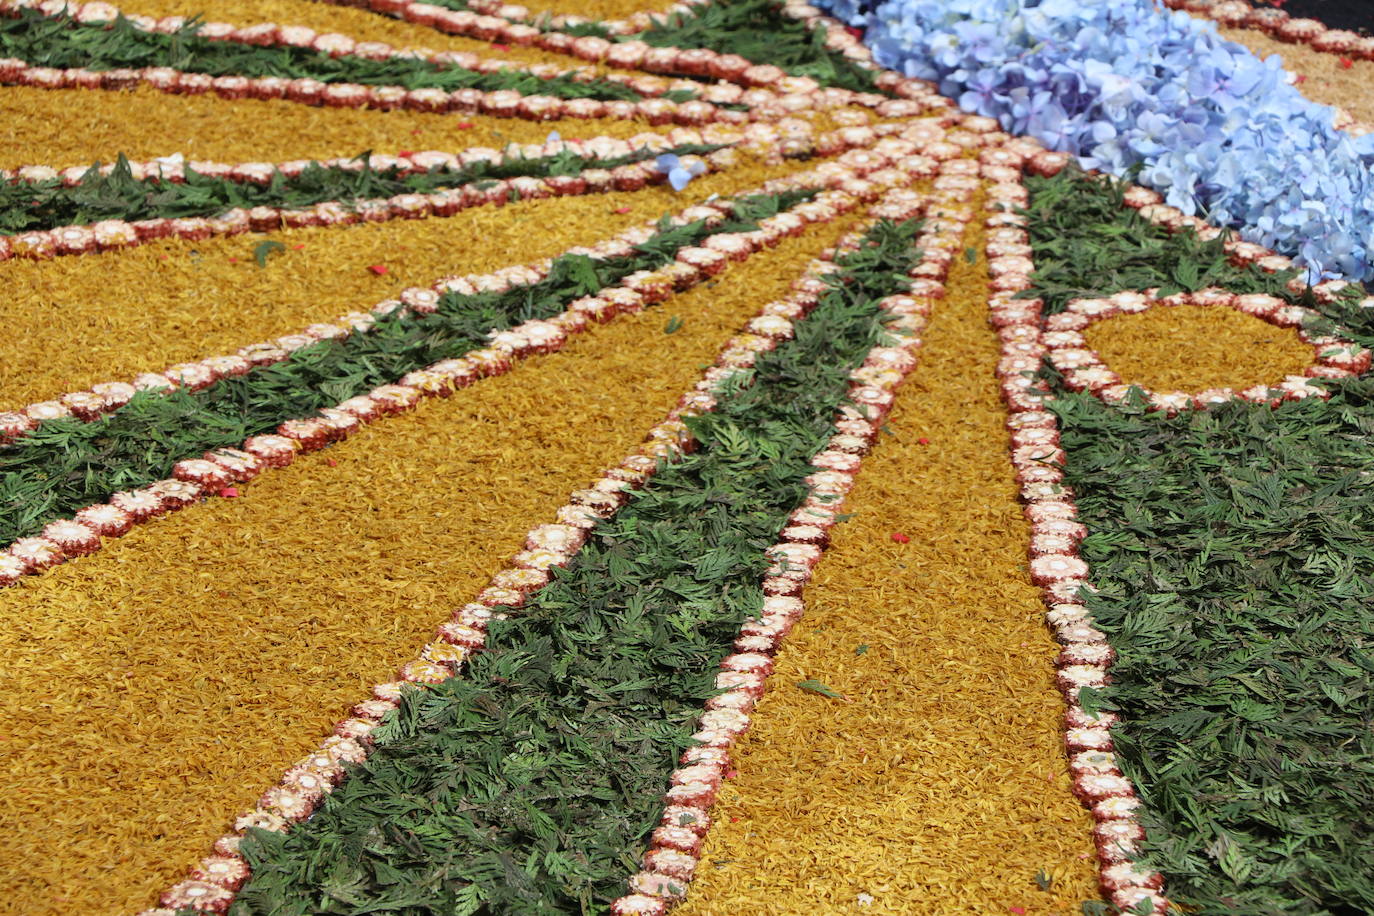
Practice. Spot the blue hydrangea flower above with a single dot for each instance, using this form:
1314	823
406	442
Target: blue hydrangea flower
678	172
1125	86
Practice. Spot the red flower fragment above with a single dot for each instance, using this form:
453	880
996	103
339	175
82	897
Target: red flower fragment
1346	63
900	538
378	269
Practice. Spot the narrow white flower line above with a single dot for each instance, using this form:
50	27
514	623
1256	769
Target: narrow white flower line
675	846
771	92
220	469
1276	22
108	235
1055	564
216	879
508	103
1084	370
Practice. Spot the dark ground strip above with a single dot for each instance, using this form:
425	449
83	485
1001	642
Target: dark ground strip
1356	15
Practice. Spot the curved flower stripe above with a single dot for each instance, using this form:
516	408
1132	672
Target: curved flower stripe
209	198
1124	86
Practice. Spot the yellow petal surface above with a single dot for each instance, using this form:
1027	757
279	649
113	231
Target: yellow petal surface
1192	348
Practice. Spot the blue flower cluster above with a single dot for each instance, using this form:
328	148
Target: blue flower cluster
1123	85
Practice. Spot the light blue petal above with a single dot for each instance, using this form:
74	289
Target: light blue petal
1127	86
678	178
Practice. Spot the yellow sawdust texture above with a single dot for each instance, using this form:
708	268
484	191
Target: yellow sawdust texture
939	784
153	690
1325	80
75	127
325	17
598	9
76	321
1193	348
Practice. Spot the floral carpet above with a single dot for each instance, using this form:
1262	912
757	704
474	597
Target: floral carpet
732	458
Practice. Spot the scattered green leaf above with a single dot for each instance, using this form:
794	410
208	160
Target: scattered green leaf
813	686
263	250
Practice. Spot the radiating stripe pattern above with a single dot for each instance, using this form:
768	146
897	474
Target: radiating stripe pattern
463	595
